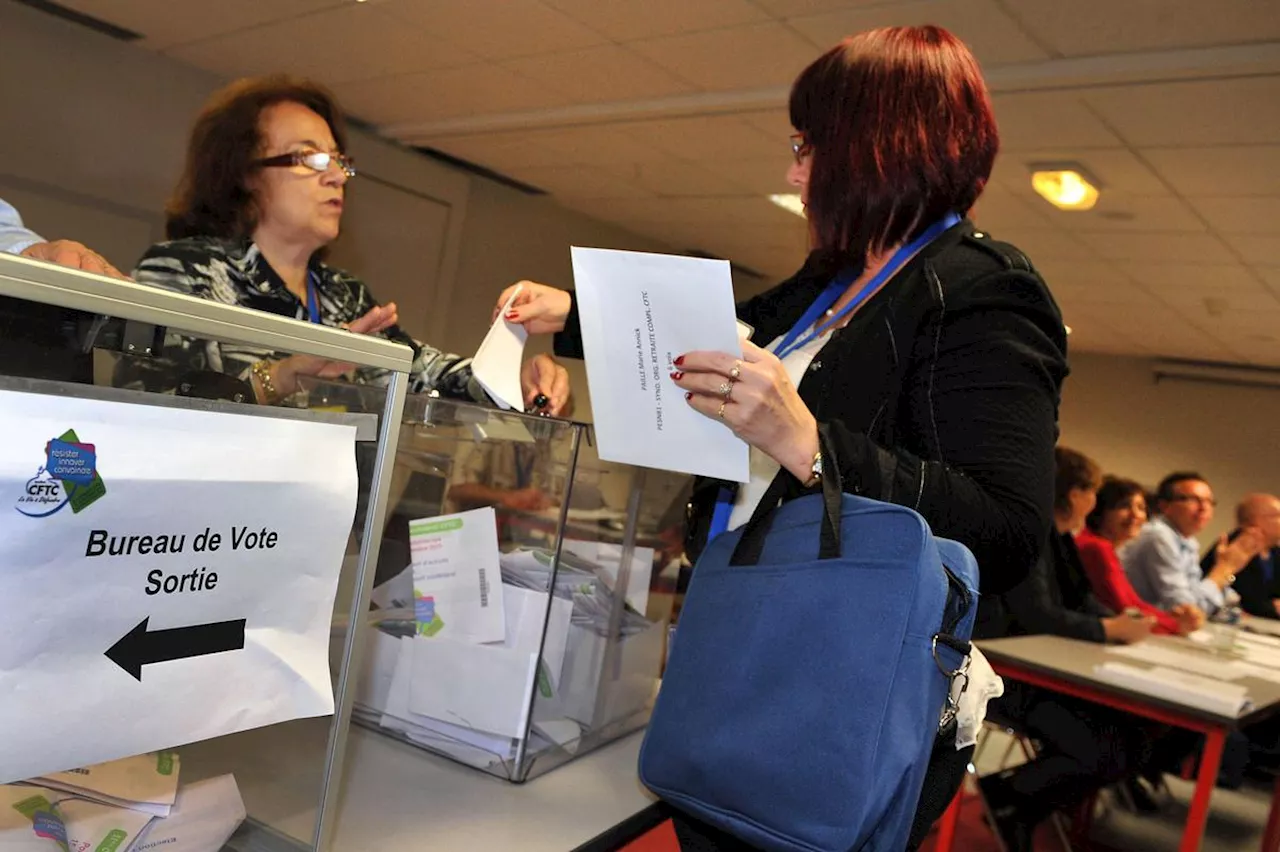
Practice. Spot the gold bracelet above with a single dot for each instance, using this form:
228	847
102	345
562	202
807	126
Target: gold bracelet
262	369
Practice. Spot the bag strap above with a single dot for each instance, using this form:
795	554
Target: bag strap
756	530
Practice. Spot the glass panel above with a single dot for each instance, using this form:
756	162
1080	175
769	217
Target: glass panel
279	769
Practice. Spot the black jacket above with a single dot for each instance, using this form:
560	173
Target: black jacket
1054	599
1256	593
941	394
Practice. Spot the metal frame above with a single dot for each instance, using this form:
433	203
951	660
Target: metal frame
35	281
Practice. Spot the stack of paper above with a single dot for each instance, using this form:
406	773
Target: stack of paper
203	818
1187	661
1214	696
145	782
39	819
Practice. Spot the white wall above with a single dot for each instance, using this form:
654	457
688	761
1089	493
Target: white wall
1114	412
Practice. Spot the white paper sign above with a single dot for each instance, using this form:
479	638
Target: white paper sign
166	576
638	312
497	362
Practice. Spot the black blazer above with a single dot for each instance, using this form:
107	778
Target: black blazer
1251	584
1054	599
941	394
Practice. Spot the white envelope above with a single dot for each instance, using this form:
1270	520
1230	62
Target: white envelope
638	312
484	687
609	558
525	610
203	819
497	362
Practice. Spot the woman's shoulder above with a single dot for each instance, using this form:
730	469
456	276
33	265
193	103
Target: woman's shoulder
980	264
199	248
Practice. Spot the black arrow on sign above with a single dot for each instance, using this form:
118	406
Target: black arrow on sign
139	648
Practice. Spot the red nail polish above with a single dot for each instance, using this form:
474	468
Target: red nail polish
680	361
512	315
688	396
677	375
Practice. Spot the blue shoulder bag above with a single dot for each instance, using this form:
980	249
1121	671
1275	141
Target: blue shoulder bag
811	673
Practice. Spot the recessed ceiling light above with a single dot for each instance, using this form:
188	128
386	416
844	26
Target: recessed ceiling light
789	202
1064	185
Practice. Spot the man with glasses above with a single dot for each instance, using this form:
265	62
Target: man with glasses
1258	583
1163	563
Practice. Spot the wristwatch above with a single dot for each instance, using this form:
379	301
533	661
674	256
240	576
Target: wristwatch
815	471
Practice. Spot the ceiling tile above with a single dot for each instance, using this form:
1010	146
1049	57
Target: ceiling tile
1116	169
164	23
1030	121
1239	323
497	29
1239	171
1116	301
453	92
1271	275
1256	249
497	151
759	176
1264	353
1241	215
742	57
710	137
1092	27
775	123
1089	280
1161	277
670	177
1201	112
1157	248
1210	302
579	182
627	20
998	210
994	37
354	42
1040	246
593	145
1117	211
604	73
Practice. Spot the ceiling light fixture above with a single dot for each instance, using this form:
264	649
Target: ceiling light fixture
1066	186
789	202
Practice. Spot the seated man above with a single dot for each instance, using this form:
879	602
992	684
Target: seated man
1163	562
38	340
1086	746
1258	582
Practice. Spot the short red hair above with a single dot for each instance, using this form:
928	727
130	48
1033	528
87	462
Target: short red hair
902	131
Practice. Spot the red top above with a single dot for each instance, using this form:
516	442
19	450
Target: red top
1111	585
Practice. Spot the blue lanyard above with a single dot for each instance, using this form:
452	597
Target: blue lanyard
836	288
313	304
829	296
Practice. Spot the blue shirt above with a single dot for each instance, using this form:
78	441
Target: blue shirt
1164	567
15	238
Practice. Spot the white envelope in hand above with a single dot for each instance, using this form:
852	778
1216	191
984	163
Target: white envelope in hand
497	362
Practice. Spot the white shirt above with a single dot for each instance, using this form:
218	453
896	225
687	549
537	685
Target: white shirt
763	468
15	238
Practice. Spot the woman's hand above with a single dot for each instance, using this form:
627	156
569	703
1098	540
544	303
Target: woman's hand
285	373
1190	618
541	376
760	404
537	307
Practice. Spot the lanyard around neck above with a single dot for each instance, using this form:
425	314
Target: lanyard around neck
313	302
797	338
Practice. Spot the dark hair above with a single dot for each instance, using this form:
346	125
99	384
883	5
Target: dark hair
1072	470
1114	493
213	197
1164	491
901	130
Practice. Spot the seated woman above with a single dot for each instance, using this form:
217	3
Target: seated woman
260	198
1117	518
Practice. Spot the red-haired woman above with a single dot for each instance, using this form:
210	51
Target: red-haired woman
932	352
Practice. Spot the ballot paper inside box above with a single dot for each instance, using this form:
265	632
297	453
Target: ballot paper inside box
584	615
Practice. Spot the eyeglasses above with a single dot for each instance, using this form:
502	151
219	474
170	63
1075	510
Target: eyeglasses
799	147
1192	498
318	161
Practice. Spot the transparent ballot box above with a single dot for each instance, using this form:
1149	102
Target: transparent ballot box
179	567
519	611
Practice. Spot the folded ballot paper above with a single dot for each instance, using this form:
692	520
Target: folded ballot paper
146	782
455	568
204	817
1208	694
38	819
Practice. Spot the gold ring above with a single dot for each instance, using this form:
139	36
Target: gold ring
726	388
736	372
720	413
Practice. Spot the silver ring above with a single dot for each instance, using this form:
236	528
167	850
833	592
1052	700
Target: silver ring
726	388
736	372
720	413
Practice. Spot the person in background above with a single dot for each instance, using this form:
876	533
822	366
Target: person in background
260	198
1085	746
1258	582
1117	519
1163	563
38	340
932	354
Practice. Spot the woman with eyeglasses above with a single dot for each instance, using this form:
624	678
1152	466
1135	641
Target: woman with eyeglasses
932	353
259	200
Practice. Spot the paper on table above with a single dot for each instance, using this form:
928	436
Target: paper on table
1185	660
497	362
455	568
638	312
1214	696
145	782
203	819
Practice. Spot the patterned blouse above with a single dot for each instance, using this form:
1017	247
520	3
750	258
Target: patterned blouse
234	272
